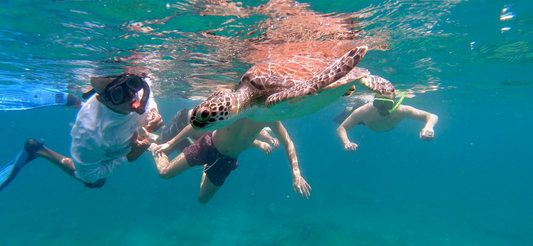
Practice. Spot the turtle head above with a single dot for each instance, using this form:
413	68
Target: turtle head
217	111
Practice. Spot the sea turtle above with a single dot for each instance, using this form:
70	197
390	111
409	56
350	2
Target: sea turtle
272	91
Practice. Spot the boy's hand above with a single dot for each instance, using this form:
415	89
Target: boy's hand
266	148
299	183
426	134
274	142
350	147
139	144
155	120
158	149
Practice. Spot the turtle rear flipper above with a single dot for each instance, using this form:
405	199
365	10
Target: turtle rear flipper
378	84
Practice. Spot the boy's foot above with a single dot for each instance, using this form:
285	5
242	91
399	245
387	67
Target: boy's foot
32	146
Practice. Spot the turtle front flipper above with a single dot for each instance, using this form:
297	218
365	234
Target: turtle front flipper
321	79
378	84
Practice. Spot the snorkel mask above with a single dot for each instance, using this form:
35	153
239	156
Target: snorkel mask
387	106
122	89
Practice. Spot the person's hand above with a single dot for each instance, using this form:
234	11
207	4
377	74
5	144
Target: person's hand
350	147
299	183
139	144
158	149
160	158
155	120
274	142
426	134
266	148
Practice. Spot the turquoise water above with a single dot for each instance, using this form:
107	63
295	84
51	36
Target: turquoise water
469	62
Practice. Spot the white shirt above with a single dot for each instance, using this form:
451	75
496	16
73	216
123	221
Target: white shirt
101	139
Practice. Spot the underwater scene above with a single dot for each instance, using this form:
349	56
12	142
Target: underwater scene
366	122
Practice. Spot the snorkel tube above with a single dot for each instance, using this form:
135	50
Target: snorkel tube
397	104
140	107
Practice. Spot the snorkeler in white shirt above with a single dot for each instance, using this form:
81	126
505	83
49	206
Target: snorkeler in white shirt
110	131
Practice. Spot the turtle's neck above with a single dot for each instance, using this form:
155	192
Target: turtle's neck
244	99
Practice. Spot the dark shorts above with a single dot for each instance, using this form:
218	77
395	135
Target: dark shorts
179	121
203	152
96	184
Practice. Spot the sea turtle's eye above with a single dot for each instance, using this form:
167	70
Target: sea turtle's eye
204	114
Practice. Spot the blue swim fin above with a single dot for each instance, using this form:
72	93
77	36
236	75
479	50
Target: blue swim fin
23	99
10	171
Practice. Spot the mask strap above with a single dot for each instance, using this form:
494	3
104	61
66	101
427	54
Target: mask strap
88	94
144	100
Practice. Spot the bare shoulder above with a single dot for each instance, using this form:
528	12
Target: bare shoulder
406	111
412	112
363	111
406	108
366	107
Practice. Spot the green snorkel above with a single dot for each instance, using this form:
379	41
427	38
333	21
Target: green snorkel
397	104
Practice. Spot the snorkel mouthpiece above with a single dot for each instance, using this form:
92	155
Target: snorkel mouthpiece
136	105
138	108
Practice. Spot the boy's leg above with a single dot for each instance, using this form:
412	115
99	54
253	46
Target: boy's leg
207	190
167	169
38	150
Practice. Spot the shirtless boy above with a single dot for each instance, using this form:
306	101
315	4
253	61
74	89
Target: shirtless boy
219	150
181	119
382	115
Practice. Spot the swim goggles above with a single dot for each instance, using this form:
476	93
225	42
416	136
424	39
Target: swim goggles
387	104
383	103
123	89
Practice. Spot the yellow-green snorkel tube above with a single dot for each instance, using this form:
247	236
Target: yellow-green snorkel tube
397	104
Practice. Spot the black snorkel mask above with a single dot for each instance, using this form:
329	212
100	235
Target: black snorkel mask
122	89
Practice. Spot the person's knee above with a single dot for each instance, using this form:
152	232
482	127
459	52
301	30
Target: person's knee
68	162
165	175
204	200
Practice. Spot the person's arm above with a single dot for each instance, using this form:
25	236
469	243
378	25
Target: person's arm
298	182
266	137
355	117
185	133
155	120
265	147
431	120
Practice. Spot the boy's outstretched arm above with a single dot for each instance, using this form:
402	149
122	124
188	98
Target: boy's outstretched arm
355	117
185	133
298	182
427	132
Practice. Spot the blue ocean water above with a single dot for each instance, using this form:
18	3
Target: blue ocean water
469	62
